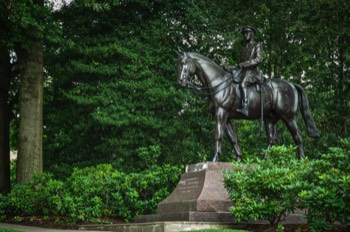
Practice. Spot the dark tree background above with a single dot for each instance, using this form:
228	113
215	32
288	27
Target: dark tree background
110	79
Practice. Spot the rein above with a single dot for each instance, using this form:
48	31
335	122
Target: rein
207	90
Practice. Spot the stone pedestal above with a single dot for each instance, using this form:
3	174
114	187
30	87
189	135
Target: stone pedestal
199	196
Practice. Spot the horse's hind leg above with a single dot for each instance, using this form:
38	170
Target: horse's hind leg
231	133
271	132
293	129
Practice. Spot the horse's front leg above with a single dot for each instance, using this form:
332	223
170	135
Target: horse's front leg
221	121
231	133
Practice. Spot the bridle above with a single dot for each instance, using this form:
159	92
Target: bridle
185	78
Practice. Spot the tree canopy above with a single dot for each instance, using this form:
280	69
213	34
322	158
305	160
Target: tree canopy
110	77
113	88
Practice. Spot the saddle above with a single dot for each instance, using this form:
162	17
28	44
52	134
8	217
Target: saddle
261	87
237	78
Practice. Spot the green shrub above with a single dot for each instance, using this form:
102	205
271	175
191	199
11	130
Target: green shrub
40	196
144	190
328	198
91	192
273	188
103	191
267	189
94	192
4	206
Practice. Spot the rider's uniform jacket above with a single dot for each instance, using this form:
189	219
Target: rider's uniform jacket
250	59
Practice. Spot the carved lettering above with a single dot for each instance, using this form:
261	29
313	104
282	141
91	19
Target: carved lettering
188	185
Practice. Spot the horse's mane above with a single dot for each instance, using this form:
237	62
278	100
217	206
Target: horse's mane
202	58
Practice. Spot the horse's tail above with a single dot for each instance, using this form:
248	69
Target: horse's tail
305	112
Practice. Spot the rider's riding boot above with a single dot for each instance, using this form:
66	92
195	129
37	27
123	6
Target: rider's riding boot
244	107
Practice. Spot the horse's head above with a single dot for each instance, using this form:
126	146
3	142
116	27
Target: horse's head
185	68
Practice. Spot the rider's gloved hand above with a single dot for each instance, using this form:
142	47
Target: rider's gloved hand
226	68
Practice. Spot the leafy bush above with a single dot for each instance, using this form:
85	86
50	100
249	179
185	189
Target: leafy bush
91	191
143	191
273	188
94	192
328	198
40	196
3	207
267	189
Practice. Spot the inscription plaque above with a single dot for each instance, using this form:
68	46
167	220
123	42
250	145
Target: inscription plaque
187	186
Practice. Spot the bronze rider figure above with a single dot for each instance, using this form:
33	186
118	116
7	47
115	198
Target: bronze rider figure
250	59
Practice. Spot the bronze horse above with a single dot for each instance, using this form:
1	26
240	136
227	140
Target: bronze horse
280	102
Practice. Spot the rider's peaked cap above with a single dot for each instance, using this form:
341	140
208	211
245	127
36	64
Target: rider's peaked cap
247	28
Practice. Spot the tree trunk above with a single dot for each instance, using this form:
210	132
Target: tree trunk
5	74
30	158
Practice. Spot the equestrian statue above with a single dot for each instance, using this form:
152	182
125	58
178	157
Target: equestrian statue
238	93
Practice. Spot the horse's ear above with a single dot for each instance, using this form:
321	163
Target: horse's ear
179	51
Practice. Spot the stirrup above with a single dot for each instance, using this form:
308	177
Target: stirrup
243	109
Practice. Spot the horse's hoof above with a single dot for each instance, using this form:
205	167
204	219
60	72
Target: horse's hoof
315	134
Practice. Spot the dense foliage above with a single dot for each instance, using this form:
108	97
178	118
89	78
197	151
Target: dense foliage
267	189
113	79
111	98
92	193
114	90
328	193
271	189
